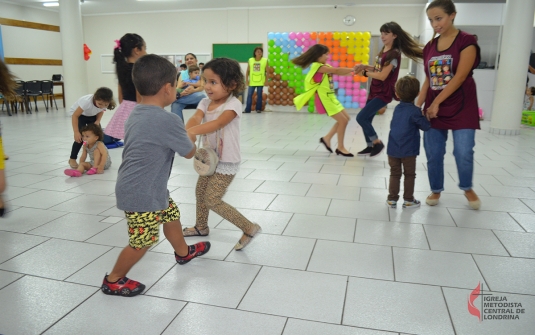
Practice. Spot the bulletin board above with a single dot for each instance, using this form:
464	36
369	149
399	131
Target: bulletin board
238	51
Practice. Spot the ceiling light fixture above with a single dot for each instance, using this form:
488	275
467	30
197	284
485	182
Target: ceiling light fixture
50	4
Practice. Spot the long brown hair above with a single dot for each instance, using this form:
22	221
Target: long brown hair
7	81
446	5
311	55
403	43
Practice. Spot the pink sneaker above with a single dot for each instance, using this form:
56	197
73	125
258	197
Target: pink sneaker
72	173
91	171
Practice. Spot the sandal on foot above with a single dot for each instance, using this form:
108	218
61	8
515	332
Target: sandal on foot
72	173
246	238
91	171
73	165
431	202
203	232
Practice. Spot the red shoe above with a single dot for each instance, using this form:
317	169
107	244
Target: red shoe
124	286
197	249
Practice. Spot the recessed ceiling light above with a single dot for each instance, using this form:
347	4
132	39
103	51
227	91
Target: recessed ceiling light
50	4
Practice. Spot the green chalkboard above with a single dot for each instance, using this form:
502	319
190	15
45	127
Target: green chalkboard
238	51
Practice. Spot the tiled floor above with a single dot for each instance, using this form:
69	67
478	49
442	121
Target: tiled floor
332	257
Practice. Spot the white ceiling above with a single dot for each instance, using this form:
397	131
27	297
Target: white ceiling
96	7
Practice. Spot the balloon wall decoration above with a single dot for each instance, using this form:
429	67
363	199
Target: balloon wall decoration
286	81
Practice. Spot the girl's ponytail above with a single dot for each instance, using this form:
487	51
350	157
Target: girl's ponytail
123	50
7	81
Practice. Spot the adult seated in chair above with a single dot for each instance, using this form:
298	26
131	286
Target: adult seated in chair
193	94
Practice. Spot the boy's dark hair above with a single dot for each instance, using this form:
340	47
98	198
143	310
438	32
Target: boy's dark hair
183	66
95	130
257	48
407	88
106	95
127	44
532	89
230	73
311	55
193	68
151	73
201	64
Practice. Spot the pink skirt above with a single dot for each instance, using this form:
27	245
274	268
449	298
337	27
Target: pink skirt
115	127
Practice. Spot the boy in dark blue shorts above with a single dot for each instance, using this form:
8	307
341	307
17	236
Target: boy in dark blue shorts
404	142
152	137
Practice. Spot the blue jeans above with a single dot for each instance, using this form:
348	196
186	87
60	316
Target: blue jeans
365	118
250	91
463	151
179	104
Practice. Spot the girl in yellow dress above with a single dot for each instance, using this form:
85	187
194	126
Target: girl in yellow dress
319	84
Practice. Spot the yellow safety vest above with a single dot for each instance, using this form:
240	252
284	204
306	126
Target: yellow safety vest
325	91
257	71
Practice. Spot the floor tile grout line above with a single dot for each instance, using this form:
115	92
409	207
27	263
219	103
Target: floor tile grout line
501	243
518	223
249	287
393	263
177	314
158	280
75	272
311	254
426	237
448	309
69	312
7	260
481	272
453	219
287	224
285	324
345	301
355	230
532	209
3	287
305	237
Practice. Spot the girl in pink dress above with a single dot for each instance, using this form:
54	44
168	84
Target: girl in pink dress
126	52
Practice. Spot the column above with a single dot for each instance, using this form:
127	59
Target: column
72	42
513	67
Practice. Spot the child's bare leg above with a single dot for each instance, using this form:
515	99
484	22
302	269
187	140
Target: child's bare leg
127	259
327	138
97	156
173	232
2	181
342	119
83	167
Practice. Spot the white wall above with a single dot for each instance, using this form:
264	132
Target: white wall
179	32
16	12
31	43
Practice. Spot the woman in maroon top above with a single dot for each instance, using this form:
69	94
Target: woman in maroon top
449	92
384	76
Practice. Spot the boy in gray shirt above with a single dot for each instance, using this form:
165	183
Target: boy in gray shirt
152	136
